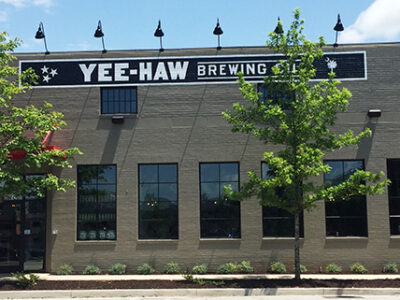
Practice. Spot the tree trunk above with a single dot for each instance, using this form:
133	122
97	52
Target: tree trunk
297	246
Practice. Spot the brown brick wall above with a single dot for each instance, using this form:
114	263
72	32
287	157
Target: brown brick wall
183	124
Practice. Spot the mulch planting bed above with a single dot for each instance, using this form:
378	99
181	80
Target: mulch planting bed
168	284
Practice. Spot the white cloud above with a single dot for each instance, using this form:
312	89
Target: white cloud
379	22
23	3
3	16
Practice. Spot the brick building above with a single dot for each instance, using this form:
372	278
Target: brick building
157	154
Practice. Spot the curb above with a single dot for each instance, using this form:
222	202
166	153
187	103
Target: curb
199	292
179	277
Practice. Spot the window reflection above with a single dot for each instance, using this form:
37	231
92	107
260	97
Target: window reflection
96	202
219	216
277	222
349	217
158	205
393	173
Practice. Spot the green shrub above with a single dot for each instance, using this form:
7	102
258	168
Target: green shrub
245	267
277	267
118	269
333	268
145	269
390	268
188	277
217	282
303	269
65	269
91	270
358	268
200	269
25	280
227	268
172	268
200	281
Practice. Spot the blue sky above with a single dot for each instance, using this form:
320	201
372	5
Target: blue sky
130	24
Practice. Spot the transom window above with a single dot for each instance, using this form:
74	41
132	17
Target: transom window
277	222
119	100
158	205
348	217
219	216
96	202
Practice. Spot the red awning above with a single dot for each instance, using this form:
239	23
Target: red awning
20	154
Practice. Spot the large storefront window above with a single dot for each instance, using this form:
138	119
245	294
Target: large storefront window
158	204
393	173
96	202
277	222
349	217
219	216
119	100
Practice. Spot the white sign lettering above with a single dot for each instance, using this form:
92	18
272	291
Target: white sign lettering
183	69
104	72
119	73
178	71
145	71
87	71
161	72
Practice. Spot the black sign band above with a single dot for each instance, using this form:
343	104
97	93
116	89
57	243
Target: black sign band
182	70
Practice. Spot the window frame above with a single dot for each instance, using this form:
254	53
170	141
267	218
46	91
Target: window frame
97	207
363	217
219	182
114	89
158	188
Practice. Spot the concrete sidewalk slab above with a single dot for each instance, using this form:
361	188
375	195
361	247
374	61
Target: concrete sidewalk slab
342	292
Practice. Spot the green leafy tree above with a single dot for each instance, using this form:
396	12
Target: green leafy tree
22	131
302	126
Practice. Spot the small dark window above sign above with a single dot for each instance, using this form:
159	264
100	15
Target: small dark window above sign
283	98
119	100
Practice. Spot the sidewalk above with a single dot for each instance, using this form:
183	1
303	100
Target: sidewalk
202	292
330	292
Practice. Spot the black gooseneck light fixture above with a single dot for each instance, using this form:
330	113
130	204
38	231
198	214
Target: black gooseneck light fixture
99	34
279	27
159	33
338	27
218	31
40	35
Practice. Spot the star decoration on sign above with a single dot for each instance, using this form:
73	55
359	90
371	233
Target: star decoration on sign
53	72
46	78
44	69
48	75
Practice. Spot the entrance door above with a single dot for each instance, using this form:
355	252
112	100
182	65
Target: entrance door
34	241
22	233
10	236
